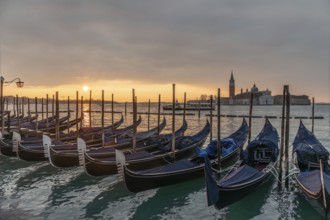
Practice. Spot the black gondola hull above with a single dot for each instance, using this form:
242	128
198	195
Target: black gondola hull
230	196
30	154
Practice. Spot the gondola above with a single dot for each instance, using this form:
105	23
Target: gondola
8	143
145	159
185	169
96	164
310	159
68	156
35	151
253	169
9	147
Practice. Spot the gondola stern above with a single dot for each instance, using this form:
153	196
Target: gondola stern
212	191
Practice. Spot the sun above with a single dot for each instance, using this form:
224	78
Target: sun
85	88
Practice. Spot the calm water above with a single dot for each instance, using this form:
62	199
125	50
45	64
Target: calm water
36	190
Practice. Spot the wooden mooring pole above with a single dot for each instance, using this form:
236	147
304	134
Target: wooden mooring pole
42	109
211	118
102	117
219	147
57	121
53	106
69	113
313	108
82	111
158	116
280	166
47	115
77	108
173	122
148	114
184	106
199	108
36	111
22	106
250	116
112	110
287	135
90	108
134	100
125	109
18	117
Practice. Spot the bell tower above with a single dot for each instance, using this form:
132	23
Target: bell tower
232	86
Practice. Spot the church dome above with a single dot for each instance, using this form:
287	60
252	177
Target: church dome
254	89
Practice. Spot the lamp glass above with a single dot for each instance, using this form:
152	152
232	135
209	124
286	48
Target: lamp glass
20	84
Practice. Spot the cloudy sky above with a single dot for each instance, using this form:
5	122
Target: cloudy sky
117	45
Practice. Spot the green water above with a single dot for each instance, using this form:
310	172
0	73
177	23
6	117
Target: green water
36	190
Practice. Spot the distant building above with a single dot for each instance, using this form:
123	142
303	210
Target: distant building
259	97
295	100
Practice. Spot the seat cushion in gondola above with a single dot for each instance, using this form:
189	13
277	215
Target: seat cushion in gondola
176	166
311	180
243	174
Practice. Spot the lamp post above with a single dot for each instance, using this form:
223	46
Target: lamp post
19	84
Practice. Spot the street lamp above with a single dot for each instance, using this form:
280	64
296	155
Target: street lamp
19	84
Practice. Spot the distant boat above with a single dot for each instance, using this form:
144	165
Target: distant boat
192	105
313	177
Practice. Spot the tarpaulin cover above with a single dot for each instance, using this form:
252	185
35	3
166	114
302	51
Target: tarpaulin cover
311	180
176	166
242	174
308	148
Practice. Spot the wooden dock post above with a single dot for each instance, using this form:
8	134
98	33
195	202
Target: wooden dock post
313	108
173	122
219	147
280	166
211	118
287	133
